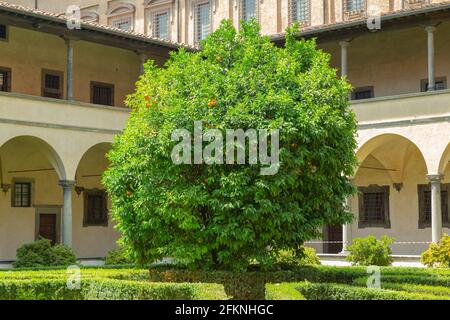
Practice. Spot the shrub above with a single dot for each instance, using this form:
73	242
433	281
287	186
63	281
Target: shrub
330	291
41	254
371	251
438	254
95	289
306	256
118	256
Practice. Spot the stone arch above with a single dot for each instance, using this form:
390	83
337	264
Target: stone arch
445	159
95	154
401	148
48	151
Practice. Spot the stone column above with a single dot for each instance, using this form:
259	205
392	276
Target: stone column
344	45
436	211
143	59
69	69
347	229
67	186
431	66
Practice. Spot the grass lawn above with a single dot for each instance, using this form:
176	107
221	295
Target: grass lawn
303	283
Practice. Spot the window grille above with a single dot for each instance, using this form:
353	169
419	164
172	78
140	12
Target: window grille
102	93
124	23
161	25
5	80
249	10
300	11
202	21
22	194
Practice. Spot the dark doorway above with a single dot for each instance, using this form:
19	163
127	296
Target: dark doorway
47	226
334	235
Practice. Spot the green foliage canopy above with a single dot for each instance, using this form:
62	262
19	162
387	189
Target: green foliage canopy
228	216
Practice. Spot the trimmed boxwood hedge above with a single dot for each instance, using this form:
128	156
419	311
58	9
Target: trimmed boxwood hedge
332	291
103	289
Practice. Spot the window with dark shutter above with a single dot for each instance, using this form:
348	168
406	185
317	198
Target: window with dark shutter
95	208
52	84
102	93
374	206
362	93
5	79
21	195
424	193
3	32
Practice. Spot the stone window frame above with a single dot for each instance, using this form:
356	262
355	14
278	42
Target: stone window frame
424	83
353	14
360	89
30	181
8	72
421	189
194	17
121	10
305	23
86	220
240	8
155	7
414	4
6	38
372	224
102	84
44	90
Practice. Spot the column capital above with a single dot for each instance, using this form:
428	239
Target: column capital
435	177
344	43
67	183
430	28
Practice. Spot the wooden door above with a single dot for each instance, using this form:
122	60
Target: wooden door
334	233
47	226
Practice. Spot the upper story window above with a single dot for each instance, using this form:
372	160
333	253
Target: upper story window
374	207
121	15
412	4
300	11
354	9
424	193
52	84
102	93
202	20
160	25
5	79
249	10
3	32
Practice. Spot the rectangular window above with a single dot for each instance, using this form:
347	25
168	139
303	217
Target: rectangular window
95	208
5	79
440	83
424	193
3	32
102	93
355	5
123	23
374	207
249	10
202	21
52	84
300	11
161	25
362	93
21	194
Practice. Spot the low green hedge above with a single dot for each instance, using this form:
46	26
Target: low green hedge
443	291
331	291
93	289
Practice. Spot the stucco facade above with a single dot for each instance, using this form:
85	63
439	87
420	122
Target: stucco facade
59	145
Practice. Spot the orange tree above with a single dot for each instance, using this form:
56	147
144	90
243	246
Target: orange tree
223	216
